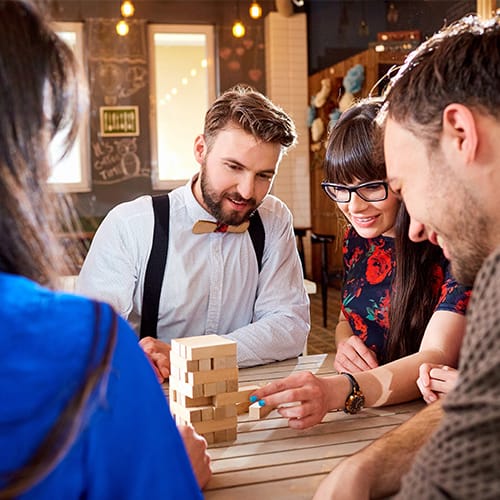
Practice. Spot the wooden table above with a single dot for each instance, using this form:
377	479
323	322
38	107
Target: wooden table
271	461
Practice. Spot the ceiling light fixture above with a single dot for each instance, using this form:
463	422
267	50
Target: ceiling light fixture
238	29
127	9
255	10
122	28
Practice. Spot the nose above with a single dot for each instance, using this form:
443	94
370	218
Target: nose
417	231
357	204
246	187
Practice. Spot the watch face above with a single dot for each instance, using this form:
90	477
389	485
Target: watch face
355	403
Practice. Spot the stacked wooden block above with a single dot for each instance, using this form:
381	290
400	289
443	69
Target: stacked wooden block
203	386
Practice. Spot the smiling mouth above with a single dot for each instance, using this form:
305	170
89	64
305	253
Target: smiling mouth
364	220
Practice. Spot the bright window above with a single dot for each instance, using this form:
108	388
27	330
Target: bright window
182	89
71	173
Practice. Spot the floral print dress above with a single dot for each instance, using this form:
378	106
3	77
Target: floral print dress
369	267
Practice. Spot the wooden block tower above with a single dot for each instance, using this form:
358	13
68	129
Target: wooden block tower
203	386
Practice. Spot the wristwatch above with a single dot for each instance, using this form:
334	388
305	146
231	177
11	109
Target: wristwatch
356	400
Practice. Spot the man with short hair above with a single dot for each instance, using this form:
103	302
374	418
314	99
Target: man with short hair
442	128
214	281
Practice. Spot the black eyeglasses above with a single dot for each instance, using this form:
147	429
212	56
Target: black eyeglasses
368	191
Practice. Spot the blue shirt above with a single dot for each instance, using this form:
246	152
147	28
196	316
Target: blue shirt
129	447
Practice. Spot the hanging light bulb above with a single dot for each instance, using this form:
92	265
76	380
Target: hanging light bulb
238	29
122	28
127	8
255	10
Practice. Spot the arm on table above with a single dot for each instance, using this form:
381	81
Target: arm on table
392	383
376	471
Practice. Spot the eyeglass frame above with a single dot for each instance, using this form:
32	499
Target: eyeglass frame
354	189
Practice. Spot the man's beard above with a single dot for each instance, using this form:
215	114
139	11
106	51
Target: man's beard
213	201
470	253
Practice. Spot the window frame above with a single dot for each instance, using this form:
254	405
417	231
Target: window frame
85	183
209	32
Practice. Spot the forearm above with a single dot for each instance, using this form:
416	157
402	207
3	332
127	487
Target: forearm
342	331
395	382
396	451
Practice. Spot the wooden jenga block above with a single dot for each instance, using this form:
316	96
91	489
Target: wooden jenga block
255	411
242	407
209	389
212	376
207	413
182	364
215	425
204	365
221	386
192	391
188	415
221	412
231	434
186	401
241	396
232	385
209	436
203	347
224	362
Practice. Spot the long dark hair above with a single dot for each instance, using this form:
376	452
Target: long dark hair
354	153
39	96
413	296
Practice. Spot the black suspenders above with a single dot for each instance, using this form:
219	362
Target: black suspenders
155	269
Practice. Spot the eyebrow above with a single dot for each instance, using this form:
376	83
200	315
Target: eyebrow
239	164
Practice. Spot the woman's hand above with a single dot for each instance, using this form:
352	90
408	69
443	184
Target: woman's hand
300	397
354	356
435	381
196	447
158	353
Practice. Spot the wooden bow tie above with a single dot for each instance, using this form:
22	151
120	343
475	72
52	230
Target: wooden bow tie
206	226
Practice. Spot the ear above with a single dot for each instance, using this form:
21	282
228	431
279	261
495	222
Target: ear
459	126
200	148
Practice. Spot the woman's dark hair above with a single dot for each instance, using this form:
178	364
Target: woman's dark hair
39	97
351	152
354	153
414	295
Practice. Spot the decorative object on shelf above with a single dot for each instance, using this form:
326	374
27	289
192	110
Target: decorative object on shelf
321	97
317	129
352	82
392	14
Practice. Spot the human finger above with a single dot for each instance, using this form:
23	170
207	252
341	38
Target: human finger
348	359
424	373
427	393
162	364
282	390
364	352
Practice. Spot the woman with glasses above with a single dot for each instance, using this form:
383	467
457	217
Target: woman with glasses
400	306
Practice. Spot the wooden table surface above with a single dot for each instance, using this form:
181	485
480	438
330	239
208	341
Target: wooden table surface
271	461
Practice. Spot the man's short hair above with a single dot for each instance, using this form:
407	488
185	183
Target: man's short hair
460	64
248	109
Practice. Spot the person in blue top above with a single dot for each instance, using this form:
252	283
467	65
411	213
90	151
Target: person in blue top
82	414
401	308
